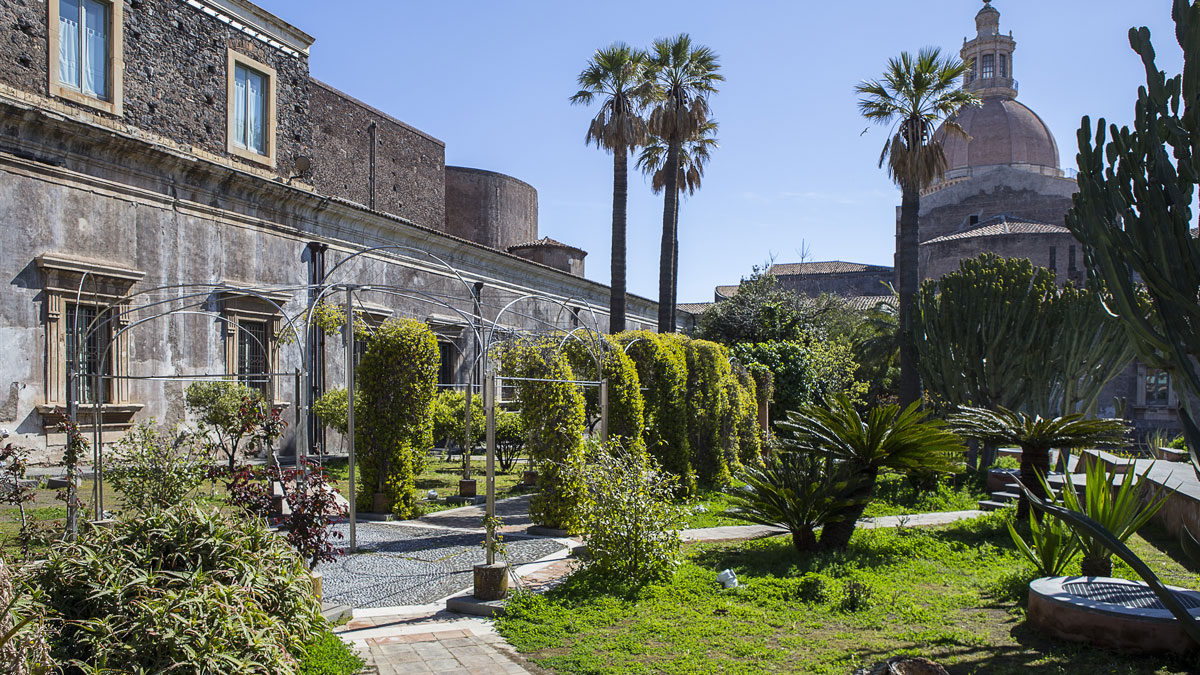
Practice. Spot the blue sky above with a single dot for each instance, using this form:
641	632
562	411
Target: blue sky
793	172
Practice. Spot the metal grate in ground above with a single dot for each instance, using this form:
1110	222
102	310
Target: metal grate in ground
1133	597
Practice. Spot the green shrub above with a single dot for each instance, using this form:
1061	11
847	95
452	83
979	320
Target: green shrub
23	646
328	654
232	418
450	419
331	408
182	590
510	438
806	371
740	428
662	371
709	377
552	411
629	519
815	587
152	469
626	407
397	378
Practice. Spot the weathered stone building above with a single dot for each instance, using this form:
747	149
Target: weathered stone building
178	152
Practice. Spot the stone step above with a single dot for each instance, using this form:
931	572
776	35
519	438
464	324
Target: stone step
1005	497
334	613
989	505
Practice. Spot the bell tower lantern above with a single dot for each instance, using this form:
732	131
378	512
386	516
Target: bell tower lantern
989	57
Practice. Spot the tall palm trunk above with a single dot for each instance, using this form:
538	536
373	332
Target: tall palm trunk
675	266
666	256
909	278
616	298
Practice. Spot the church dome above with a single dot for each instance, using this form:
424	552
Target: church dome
1003	132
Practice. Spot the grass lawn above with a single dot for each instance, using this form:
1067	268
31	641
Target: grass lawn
954	594
895	496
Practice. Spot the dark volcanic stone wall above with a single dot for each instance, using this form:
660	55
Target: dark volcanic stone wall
490	208
410	166
175	74
843	283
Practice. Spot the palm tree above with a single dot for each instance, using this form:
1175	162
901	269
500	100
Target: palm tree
1036	435
685	75
693	155
617	75
886	438
915	94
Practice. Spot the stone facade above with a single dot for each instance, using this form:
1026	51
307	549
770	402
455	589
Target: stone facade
553	253
404	174
98	211
833	277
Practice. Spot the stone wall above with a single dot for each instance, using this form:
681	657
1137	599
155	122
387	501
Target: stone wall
490	208
942	257
998	191
410	166
174	74
846	283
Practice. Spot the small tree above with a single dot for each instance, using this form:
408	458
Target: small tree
629	519
510	438
233	418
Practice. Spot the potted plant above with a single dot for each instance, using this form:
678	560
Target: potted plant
491	577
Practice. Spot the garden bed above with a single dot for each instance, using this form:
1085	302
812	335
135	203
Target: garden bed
954	594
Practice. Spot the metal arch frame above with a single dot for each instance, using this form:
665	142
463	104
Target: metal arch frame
106	317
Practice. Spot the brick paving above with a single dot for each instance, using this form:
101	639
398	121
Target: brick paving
432	643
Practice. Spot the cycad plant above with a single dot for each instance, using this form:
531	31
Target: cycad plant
886	438
799	491
1036	435
1121	509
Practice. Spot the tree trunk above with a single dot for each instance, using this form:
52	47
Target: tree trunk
908	277
804	539
616	298
836	535
1096	567
666	257
1035	462
675	265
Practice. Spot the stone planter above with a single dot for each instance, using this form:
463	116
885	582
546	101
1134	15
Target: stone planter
466	487
491	581
529	478
380	503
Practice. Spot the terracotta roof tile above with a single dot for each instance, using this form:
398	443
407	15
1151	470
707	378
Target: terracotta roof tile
999	226
826	267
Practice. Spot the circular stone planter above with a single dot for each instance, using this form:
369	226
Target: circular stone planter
1112	613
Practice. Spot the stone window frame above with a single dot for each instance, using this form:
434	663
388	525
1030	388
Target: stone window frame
104	285
238	306
114	105
233	59
987	71
1143	372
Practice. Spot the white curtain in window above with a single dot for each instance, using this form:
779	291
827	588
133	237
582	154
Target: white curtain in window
255	112
239	106
95	49
68	42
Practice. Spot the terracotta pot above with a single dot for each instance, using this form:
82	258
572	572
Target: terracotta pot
529	478
491	581
466	487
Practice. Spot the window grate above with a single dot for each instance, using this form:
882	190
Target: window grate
253	364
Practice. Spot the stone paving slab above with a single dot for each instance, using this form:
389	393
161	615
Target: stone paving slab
736	532
399	646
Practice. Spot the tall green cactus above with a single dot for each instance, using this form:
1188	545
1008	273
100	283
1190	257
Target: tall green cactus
999	333
1133	214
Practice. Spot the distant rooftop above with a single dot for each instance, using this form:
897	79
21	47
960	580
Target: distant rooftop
725	292
1001	225
826	267
693	307
546	242
865	302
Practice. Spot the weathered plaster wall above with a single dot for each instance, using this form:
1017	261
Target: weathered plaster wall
565	258
410	166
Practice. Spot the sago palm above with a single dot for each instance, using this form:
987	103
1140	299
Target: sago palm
915	94
685	75
1036	435
886	438
617	77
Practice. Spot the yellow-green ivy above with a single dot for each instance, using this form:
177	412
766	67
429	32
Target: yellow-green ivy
661	364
